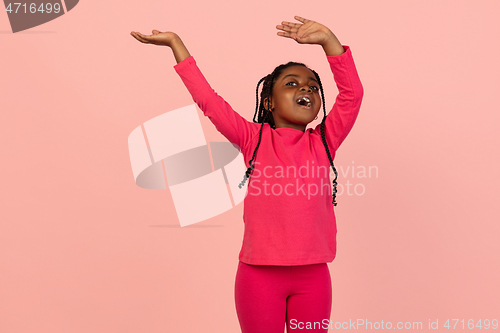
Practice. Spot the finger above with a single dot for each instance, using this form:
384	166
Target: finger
146	37
140	37
285	28
134	34
287	35
155	32
301	19
291	24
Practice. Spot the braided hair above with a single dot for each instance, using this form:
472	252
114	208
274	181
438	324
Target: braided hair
265	116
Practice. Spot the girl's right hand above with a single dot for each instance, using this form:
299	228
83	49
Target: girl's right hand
168	38
157	38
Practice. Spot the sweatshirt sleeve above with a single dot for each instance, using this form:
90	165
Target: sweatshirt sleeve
340	120
227	121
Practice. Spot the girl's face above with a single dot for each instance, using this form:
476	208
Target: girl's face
295	98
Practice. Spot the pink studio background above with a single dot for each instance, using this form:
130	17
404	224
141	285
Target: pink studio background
84	249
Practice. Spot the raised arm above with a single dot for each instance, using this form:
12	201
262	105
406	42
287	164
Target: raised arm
227	121
341	118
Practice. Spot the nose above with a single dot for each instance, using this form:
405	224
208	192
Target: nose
307	88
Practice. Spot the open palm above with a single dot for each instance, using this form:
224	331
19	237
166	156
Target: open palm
157	38
307	32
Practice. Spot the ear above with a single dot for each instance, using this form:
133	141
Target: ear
266	101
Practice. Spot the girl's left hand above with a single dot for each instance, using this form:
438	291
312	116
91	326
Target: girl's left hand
309	32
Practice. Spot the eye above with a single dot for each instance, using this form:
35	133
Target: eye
291	83
314	88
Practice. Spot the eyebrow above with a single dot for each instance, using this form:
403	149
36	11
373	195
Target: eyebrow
310	78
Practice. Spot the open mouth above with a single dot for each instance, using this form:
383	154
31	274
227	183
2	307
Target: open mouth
304	101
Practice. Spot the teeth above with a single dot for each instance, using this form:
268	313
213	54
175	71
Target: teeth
305	99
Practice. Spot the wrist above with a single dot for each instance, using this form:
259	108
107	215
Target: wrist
179	49
330	36
174	41
332	45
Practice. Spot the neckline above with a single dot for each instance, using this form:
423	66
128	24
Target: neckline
294	129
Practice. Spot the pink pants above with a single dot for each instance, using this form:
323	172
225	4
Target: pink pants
268	297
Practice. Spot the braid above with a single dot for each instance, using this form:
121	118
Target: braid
249	170
265	116
334	191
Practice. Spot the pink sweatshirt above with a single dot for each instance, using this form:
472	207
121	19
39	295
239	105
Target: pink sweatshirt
288	211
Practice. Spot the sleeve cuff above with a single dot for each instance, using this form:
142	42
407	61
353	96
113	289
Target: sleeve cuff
186	62
342	56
